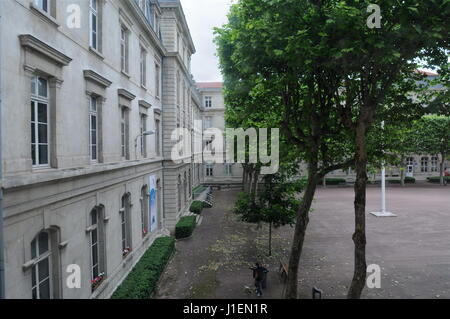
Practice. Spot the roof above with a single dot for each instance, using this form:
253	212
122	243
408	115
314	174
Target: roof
427	73
210	85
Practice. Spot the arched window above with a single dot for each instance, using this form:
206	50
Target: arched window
42	270
97	247
125	224
424	164
144	210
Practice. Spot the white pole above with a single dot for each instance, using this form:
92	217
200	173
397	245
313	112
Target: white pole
383	190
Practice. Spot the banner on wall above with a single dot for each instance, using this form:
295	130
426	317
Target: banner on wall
153	207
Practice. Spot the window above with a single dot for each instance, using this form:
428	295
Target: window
124	49
157	80
178	89
40	130
93	22
208	101
209	170
228	169
143	67
157	137
93	123
208	122
434	164
424	164
143	128
97	245
124	130
410	164
41	271
144	210
44	5
125	225
179	185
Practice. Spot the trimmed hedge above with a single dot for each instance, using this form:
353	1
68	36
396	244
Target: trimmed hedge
143	279
196	207
333	181
185	227
437	179
408	180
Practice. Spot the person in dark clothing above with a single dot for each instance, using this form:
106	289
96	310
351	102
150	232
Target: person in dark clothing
260	276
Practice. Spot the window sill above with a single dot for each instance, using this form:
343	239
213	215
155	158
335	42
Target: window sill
44	15
96	52
143	87
125	73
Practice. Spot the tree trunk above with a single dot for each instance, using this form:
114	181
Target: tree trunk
254	186
300	227
359	237
402	171
244	177
270	239
441	170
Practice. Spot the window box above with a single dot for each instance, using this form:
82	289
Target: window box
96	282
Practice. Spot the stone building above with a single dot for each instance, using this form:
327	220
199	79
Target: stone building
91	90
217	174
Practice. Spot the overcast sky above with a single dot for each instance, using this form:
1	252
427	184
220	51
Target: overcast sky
202	16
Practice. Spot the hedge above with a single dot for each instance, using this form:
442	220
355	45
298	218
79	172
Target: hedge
333	181
408	180
185	227
437	179
142	281
196	207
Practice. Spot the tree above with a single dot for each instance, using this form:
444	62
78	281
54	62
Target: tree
433	135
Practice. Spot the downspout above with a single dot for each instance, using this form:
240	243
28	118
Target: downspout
2	255
161	136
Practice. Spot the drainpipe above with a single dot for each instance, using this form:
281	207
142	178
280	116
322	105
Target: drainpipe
161	136
2	255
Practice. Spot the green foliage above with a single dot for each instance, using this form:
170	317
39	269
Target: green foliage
333	181
196	207
408	180
437	179
143	279
185	227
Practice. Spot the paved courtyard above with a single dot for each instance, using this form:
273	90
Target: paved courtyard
413	249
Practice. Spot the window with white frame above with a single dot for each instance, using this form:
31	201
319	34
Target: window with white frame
143	67
209	170
41	276
40	129
125	225
208	122
208	101
157	80
178	89
44	5
424	164
145	197
124	49
124	132
93	130
410	164
97	246
157	137
143	128
94	24
434	164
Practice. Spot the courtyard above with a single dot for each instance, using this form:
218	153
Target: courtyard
411	249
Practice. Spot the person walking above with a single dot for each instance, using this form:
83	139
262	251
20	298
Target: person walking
260	276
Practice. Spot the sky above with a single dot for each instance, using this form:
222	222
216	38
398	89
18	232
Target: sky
202	16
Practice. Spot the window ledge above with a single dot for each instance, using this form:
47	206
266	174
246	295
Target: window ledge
96	52
125	73
44	15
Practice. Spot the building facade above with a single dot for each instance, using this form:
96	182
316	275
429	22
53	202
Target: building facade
91	90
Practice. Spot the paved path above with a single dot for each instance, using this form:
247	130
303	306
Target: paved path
413	249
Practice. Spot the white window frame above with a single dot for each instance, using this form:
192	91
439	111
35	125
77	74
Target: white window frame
228	169
95	245
124	49
93	112
209	170
424	163
40	5
93	13
157	80
36	266
37	99
208	101
143	67
434	164
145	210
143	128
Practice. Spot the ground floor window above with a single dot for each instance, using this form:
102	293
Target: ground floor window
209	170
41	276
424	165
